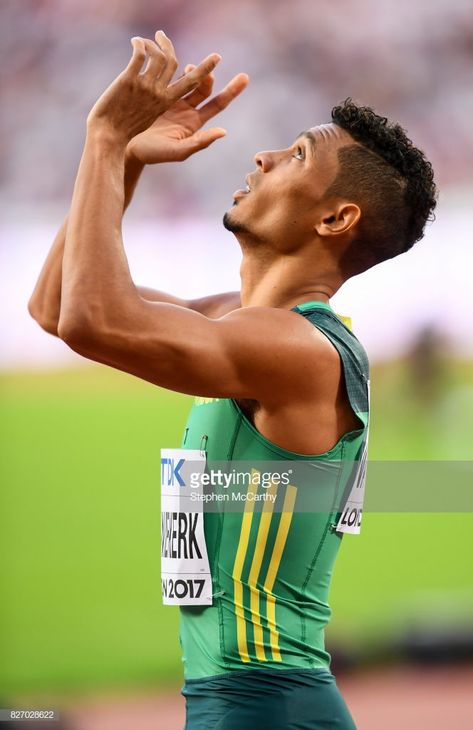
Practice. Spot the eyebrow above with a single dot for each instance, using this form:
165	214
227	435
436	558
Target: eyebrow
311	137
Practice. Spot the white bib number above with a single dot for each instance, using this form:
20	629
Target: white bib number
185	572
350	520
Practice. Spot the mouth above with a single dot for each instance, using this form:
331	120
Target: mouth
244	191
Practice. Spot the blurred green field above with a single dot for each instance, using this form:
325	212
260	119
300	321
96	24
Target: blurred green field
79	529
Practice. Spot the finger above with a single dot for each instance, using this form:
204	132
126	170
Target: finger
187	68
168	49
224	98
138	56
200	140
203	91
157	59
192	80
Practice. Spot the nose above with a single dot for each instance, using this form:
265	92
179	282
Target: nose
269	158
264	160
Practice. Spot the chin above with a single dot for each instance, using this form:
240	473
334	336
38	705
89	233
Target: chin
231	224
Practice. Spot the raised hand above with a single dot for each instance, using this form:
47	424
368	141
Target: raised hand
176	134
136	98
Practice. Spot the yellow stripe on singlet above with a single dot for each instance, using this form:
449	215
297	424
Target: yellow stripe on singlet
280	542
238	568
275	561
260	547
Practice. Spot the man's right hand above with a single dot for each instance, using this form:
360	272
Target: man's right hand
174	136
177	134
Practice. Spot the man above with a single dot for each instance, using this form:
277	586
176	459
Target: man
279	376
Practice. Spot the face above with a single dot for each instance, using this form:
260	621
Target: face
284	196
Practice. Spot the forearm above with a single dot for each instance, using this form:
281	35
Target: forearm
96	280
45	302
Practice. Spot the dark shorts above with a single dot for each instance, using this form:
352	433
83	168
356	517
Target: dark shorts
298	699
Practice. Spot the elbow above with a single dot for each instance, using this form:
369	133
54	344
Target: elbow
32	308
83	330
67	331
75	331
35	311
48	324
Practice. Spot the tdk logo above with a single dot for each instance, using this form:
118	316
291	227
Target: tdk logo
170	472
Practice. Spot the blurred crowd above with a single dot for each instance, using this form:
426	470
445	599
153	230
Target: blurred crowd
412	61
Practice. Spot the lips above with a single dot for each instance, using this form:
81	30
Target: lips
240	193
244	191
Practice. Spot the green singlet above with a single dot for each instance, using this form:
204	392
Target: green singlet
271	570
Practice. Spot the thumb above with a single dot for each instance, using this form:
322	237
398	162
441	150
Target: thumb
200	140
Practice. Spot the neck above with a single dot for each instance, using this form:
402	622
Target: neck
282	281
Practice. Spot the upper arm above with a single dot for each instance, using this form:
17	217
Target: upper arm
254	352
213	306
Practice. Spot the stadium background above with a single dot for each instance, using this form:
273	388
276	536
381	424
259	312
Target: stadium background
81	618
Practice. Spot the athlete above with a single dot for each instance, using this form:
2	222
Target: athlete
278	375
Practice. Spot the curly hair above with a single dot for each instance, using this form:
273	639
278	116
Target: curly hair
392	181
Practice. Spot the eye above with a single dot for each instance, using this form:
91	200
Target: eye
299	153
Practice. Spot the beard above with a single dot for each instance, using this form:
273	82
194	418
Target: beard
232	225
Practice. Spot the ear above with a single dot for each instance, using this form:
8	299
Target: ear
339	218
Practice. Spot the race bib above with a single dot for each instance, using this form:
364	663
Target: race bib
185	572
350	520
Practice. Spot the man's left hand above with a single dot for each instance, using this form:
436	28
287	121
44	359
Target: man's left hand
136	98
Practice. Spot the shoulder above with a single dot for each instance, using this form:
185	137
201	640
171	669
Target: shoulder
286	342
281	326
